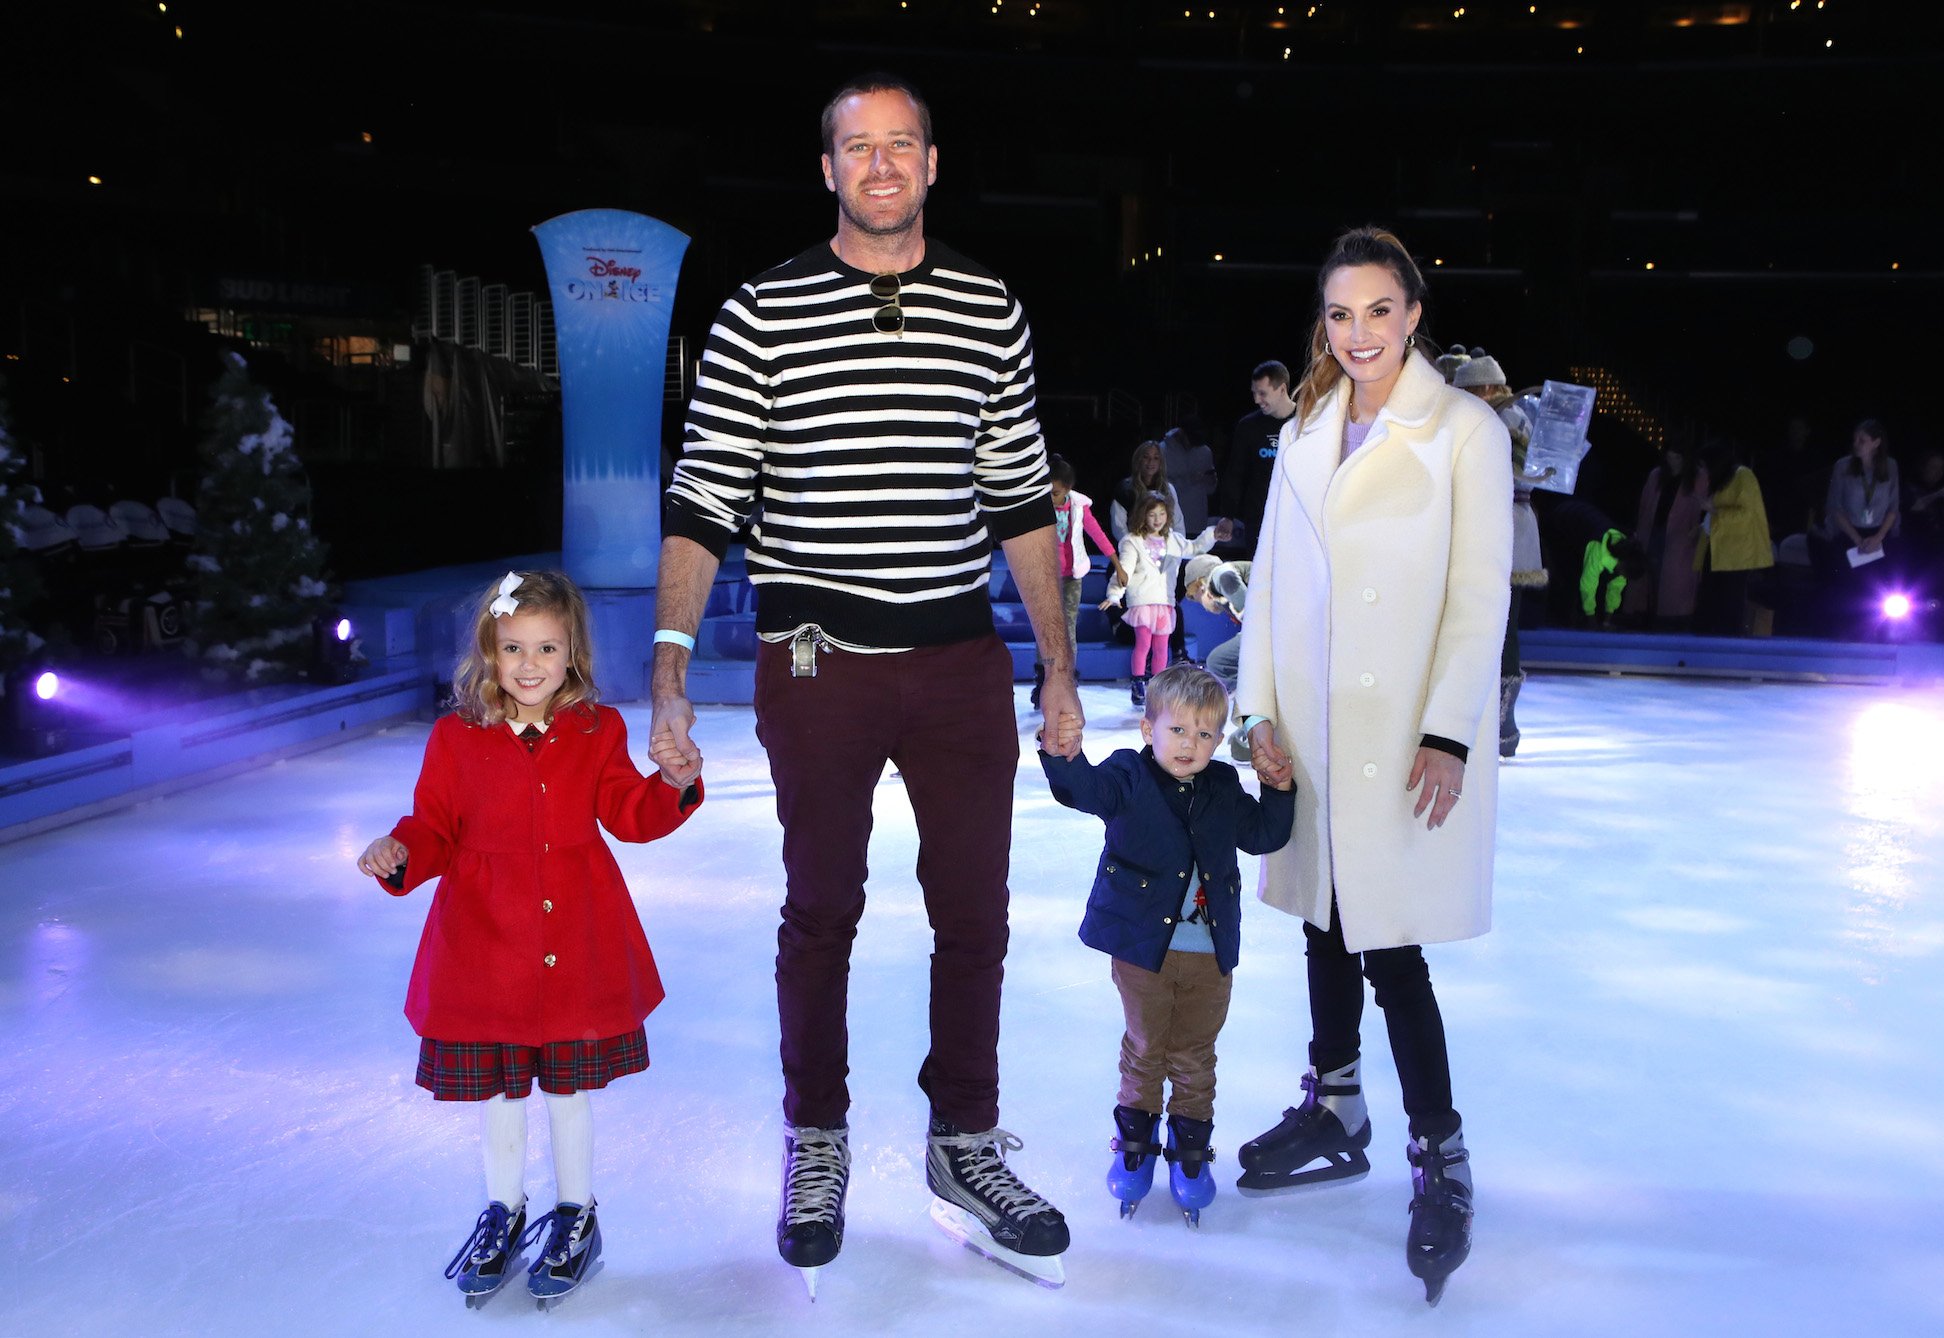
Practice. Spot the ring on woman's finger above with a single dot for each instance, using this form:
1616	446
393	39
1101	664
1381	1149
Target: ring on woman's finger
1454	794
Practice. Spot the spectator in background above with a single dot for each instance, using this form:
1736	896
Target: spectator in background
1073	524
1923	517
1669	526
1252	453
1864	499
1480	373
1191	468
1147	472
1734	542
1795	483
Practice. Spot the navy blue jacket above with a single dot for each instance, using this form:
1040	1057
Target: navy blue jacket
1159	828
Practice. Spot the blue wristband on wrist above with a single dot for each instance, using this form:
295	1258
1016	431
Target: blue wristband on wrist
674	638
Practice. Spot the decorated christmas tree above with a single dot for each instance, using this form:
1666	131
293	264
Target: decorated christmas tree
257	570
19	584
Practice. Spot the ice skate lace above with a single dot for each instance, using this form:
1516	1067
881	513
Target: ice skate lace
819	1171
984	1170
564	1231
488	1239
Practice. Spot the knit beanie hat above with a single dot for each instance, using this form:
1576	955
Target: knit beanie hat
1481	370
1451	360
1199	568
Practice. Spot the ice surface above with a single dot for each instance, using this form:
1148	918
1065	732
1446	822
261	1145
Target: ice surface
1698	1060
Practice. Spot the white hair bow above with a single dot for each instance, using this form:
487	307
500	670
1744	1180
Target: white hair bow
506	605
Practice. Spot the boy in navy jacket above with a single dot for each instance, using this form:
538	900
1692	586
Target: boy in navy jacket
1166	905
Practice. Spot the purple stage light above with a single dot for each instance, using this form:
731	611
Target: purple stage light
47	684
343	629
1896	606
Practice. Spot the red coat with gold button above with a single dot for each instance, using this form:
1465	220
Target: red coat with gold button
532	936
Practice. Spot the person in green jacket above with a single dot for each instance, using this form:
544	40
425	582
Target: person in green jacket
1611	560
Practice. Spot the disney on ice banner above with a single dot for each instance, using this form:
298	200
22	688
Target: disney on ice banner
612	276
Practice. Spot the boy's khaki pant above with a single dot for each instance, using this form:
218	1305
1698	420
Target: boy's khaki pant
1173	1017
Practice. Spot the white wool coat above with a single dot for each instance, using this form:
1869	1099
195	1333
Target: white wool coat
1376	611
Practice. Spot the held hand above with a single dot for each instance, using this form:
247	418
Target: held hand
669	744
1271	763
382	858
1066	734
1108	603
1224	530
1066	721
679	765
1443	777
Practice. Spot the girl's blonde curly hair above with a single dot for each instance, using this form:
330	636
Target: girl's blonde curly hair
475	684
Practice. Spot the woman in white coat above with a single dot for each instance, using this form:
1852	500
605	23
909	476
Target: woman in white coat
1369	671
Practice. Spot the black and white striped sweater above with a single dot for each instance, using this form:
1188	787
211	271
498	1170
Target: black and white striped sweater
876	471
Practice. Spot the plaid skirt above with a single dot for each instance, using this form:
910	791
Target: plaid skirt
478	1070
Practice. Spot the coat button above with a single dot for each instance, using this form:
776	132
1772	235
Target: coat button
543	787
1370	595
544	847
1144	882
1182	874
1167	919
1370	768
547	905
550	959
1368	680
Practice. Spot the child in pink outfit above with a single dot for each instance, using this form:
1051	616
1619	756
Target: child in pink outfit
1072	517
1150	556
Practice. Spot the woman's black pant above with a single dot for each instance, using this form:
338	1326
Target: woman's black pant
1402	984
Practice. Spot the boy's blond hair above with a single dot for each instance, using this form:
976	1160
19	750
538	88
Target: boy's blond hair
1186	689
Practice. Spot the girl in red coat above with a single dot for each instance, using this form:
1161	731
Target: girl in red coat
532	962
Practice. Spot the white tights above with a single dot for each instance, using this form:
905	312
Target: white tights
503	1132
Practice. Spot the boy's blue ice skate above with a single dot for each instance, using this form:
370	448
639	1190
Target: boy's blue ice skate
1131	1174
490	1254
570	1255
1188	1154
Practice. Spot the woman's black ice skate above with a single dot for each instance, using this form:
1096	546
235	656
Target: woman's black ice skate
1131	1174
983	1206
816	1176
571	1254
1331	1127
1441	1211
490	1254
1189	1179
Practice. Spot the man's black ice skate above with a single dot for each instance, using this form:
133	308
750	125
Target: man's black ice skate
985	1207
816	1176
1131	1174
1189	1179
1331	1127
571	1254
490	1254
1441	1211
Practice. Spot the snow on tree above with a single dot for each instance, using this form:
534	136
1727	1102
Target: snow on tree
257	571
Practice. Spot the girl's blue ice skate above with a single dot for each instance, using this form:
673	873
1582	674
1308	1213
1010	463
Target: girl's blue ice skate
490	1254
571	1253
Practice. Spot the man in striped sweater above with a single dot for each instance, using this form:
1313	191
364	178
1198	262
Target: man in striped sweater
867	409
